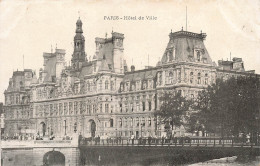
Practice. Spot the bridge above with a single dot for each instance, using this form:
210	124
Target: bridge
121	151
157	151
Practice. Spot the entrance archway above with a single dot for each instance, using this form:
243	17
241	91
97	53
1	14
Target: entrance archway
54	158
43	128
92	128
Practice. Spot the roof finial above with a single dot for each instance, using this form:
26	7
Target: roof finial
112	30
171	30
79	14
106	35
201	31
182	28
51	48
56	45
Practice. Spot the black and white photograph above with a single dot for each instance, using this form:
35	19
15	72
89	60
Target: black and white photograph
130	83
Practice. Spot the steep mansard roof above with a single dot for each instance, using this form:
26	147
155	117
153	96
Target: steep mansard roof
140	75
184	43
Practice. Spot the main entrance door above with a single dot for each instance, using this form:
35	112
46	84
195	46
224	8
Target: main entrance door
54	158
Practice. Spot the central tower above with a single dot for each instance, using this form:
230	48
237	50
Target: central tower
78	56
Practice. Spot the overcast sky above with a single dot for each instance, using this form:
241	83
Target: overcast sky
30	28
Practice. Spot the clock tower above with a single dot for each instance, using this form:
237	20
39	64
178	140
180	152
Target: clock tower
78	56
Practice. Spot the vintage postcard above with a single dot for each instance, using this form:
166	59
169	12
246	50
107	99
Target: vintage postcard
174	82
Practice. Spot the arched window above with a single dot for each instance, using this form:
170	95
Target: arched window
206	79
170	78
131	122
199	78
106	84
191	77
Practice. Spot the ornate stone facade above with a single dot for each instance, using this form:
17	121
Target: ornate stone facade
100	96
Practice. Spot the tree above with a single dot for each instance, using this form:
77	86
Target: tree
173	109
229	107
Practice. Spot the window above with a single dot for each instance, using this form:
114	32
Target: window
149	121
170	78
132	108
143	106
198	56
111	121
179	76
70	108
65	108
120	107
106	84
100	108
206	79
131	122
125	122
76	107
100	85
150	105
191	77
199	78
106	108
60	109
120	122
143	121
137	121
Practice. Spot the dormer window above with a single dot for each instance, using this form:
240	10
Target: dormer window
198	56
106	84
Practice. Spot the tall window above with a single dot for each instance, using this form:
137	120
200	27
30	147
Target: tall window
111	121
206	79
149	121
150	105
137	122
143	106
100	108
131	122
199	78
191	77
120	122
106	84
198	56
100	85
125	122
170	78
120	107
143	121
106	108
